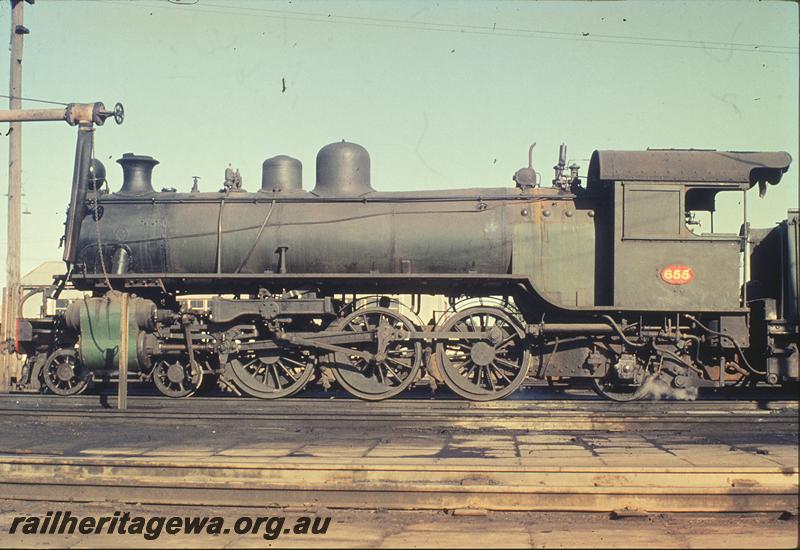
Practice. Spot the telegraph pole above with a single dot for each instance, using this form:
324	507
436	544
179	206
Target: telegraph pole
12	295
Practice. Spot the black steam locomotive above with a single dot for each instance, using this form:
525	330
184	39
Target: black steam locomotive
599	279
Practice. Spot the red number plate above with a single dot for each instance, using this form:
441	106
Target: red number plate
677	274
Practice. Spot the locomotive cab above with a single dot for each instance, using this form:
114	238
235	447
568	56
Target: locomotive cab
656	261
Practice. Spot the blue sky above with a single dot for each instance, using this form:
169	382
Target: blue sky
442	94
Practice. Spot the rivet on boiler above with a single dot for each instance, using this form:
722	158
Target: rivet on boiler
546	213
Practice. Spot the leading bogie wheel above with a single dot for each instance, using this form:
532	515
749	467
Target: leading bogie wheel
393	362
488	367
177	377
64	374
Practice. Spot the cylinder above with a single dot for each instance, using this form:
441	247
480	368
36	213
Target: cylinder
137	174
281	174
343	169
143	311
99	322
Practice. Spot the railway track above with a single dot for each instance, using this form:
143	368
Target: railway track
536	415
409	454
576	401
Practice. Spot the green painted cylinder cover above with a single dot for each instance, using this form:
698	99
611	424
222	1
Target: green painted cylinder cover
100	333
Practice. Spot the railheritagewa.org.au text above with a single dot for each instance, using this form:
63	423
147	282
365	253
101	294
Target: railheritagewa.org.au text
64	522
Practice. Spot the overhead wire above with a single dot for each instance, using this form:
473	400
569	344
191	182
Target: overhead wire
34	99
471	29
494	28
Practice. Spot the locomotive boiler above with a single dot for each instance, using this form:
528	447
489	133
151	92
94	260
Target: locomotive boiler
597	279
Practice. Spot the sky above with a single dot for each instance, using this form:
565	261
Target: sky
442	94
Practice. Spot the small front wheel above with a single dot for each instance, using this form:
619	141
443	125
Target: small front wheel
178	378
64	374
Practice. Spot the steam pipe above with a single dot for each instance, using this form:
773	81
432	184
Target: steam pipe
77	200
121	261
577	328
530	155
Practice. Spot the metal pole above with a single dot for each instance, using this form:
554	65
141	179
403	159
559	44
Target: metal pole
18	32
122	387
5	374
746	259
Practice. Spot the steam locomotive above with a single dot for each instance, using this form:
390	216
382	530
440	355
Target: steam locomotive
596	279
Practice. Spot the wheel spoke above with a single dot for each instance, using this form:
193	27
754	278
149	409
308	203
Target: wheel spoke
277	377
287	371
469	323
402	353
291	361
507	364
489	378
500	372
391	371
366	322
404	366
459	345
466	366
457	352
506	342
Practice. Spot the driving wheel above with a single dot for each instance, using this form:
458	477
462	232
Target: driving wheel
384	363
487	367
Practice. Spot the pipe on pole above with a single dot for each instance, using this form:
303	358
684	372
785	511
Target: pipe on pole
31	115
73	114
